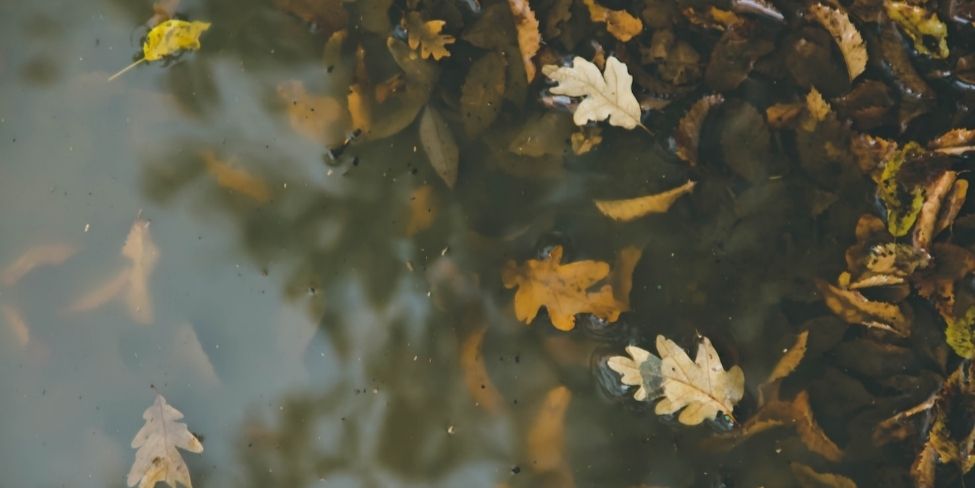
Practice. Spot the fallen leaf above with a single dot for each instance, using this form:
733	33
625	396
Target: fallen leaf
798	414
483	92
605	96
168	38
816	106
585	139
783	115
422	210
620	23
17	324
476	377
236	179
529	39
927	220
634	208
903	202
360	108
622	274
702	388
561	288
854	308
546	436
43	255
156	457
954	142
923	27
958	333
438	142
951	206
688	134
427	37
321	119
810	478
937	283
790	360
846	36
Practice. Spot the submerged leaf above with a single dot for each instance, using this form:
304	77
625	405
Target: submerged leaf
483	92
237	180
426	36
688	133
561	288
43	255
810	478
846	36
476	377
157	458
790	360
929	33
605	96
529	39
438	142
634	208
854	308
546	437
620	23
321	119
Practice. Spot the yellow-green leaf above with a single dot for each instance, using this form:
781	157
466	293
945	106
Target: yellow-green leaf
929	33
173	36
903	204
958	333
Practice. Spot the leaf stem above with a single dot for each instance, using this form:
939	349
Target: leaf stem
125	69
648	131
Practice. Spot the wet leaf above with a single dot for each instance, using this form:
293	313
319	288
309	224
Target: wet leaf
438	143
927	219
951	206
954	142
167	39
846	36
937	284
321	119
476	377
929	33
854	308
633	208
699	389
810	478
742	122
816	106
798	414
546	437
494	30
620	23
157	458
42	255
426	36
605	96
790	360
542	135
958	333
585	139
903	202
422	210
483	92
529	39
688	134
563	289
735	54
622	275
234	179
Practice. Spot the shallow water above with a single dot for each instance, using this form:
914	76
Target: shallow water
308	339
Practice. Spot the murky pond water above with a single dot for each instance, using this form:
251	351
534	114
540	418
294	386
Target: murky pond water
342	321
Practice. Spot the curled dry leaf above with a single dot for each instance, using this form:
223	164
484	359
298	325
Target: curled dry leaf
810	478
476	377
43	255
923	27
620	23
688	134
634	208
438	142
529	39
156	457
699	389
563	289
605	96
546	437
426	36
854	308
845	35
236	179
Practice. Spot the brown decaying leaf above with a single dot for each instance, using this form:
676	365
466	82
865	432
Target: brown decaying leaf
438	142
937	284
319	118
783	115
17	324
561	288
924	467
545	444
143	255
927	220
688	134
622	274
810	478
951	206
476	377
620	23
529	39
791	359
854	308
422	210
585	139
427	37
870	151
42	255
798	414
634	208
816	105
236	179
954	142
845	35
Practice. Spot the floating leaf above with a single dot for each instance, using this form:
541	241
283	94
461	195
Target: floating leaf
634	208
688	133
854	308
157	458
810	478
236	179
529	39
620	23
438	142
605	96
169	38
483	92
846	36
427	37
44	255
923	27
561	288
640	369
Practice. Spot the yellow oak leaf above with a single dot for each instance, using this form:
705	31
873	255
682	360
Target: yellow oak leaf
427	37
563	289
